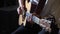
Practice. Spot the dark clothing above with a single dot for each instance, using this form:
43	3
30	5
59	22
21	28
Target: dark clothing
37	8
19	29
28	29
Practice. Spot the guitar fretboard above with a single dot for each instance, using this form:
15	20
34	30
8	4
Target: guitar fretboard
36	19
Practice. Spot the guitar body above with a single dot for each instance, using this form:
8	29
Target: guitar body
23	4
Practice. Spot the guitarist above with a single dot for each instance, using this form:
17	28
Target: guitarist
29	27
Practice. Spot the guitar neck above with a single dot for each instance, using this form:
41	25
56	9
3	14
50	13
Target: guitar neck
36	19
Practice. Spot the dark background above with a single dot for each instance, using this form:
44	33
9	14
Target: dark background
8	16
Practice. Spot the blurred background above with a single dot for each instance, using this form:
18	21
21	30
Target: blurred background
9	16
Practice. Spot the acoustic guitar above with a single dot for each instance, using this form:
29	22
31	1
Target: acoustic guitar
35	19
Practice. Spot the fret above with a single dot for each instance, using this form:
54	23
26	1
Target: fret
37	20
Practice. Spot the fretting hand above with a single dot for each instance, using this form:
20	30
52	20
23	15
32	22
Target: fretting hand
45	25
